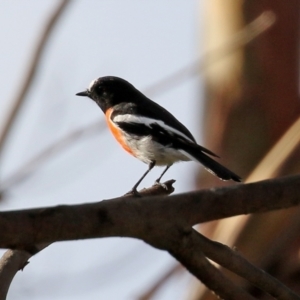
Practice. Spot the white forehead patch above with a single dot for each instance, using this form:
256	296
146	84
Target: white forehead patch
92	83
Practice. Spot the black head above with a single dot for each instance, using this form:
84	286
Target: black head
109	91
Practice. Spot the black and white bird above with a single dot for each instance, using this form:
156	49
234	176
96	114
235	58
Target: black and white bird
148	131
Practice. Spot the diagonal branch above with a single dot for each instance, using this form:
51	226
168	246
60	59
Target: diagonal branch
30	166
234	262
31	73
148	295
243	37
189	254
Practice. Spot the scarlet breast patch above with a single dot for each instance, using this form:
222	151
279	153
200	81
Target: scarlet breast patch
117	132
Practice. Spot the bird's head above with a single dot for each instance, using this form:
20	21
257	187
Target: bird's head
109	91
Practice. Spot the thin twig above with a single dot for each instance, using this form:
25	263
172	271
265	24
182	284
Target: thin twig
246	35
160	282
32	70
37	161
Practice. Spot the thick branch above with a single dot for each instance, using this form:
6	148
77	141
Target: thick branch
135	217
267	195
163	222
14	260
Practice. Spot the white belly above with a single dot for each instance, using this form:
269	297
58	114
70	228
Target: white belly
147	150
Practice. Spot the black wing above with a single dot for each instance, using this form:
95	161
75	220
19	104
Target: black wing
173	140
152	110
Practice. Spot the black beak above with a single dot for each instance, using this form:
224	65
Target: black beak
84	94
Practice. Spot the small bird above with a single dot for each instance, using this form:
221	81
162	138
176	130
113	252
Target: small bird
148	131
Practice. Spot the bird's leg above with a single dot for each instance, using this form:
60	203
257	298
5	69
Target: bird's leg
134	189
157	181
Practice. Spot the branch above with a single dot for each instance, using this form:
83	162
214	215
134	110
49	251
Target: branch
187	252
30	166
234	262
243	37
145	217
14	260
258	197
133	217
11	262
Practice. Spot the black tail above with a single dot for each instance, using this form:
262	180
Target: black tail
210	165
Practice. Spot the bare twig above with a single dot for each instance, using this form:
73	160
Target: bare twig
160	282
29	167
31	72
250	32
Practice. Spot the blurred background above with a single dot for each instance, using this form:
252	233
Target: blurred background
234	85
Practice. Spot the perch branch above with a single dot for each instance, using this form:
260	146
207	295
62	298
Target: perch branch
163	222
14	260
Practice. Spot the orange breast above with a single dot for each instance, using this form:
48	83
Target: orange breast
117	133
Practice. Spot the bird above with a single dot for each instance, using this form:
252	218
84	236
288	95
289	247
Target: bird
148	131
